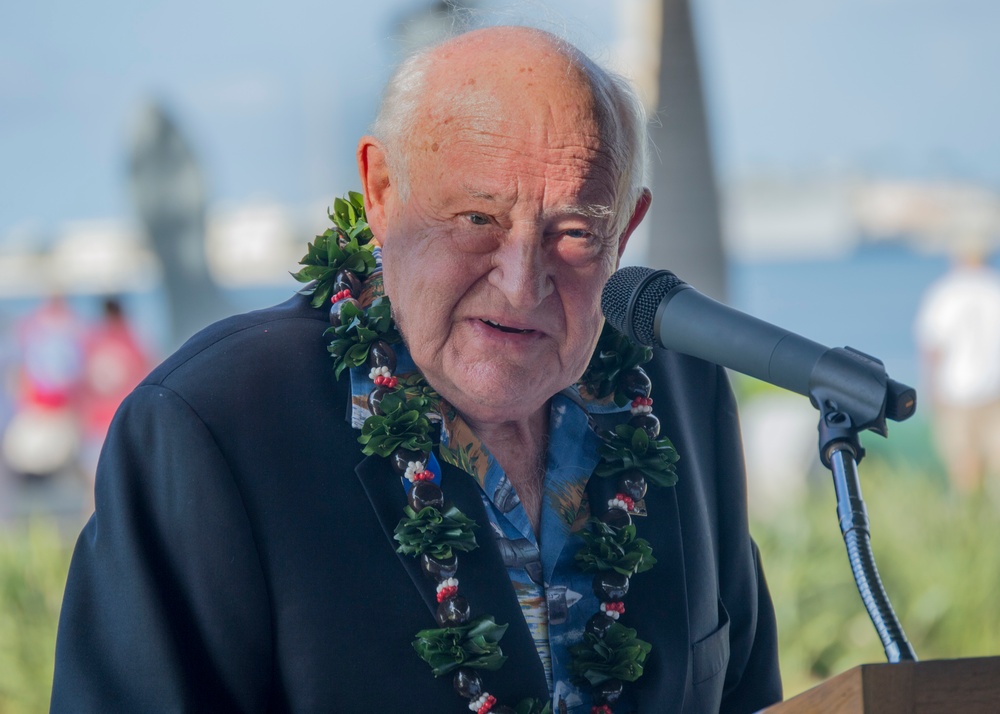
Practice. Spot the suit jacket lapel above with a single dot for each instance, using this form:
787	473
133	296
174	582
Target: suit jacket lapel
482	575
656	604
385	493
660	603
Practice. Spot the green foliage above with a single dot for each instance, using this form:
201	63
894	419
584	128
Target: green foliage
34	560
629	448
434	533
403	423
608	548
615	354
352	338
349	215
343	247
938	555
617	655
475	645
414	385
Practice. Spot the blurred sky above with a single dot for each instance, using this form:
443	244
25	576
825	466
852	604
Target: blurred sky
274	95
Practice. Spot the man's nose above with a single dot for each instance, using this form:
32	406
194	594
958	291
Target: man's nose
521	271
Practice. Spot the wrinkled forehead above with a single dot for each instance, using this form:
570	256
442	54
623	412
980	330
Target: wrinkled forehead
538	89
528	117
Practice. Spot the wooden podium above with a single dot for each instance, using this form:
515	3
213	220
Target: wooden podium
948	686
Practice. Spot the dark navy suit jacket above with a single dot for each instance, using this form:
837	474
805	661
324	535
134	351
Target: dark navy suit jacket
241	556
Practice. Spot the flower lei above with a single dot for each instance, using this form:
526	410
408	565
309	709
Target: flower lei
433	530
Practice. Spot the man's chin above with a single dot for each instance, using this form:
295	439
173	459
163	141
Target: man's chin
498	396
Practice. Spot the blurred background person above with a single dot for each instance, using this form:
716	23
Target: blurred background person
42	436
958	333
114	361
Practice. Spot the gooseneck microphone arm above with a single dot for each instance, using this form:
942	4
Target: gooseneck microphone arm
850	389
840	451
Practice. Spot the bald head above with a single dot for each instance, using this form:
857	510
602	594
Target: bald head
491	79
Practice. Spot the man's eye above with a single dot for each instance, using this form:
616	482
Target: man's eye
477	219
578	246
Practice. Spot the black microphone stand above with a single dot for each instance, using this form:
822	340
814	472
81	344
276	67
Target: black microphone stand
845	410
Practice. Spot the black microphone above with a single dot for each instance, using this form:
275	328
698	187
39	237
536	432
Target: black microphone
656	308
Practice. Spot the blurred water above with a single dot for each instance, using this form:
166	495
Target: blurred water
866	300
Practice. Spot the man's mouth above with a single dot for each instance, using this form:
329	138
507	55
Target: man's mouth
504	328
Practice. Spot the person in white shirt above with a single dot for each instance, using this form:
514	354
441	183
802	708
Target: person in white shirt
958	333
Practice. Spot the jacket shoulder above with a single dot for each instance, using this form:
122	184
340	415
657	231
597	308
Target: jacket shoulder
266	339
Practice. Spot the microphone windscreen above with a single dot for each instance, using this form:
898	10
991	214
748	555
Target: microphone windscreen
630	299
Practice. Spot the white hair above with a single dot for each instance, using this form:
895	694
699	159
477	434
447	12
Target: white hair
620	115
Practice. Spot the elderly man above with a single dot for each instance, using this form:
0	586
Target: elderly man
251	553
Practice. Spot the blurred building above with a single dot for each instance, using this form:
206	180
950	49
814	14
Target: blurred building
770	217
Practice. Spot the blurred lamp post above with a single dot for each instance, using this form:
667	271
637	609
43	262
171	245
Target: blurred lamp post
683	227
169	193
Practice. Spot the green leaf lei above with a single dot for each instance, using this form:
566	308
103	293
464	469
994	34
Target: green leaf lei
346	246
614	356
615	652
629	448
402	424
414	385
608	548
435	533
353	337
474	645
619	654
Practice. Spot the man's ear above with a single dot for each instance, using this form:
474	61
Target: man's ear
641	206
376	184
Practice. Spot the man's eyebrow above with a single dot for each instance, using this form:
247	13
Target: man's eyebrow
479	193
591	210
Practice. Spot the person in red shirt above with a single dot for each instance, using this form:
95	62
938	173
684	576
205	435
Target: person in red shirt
114	361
